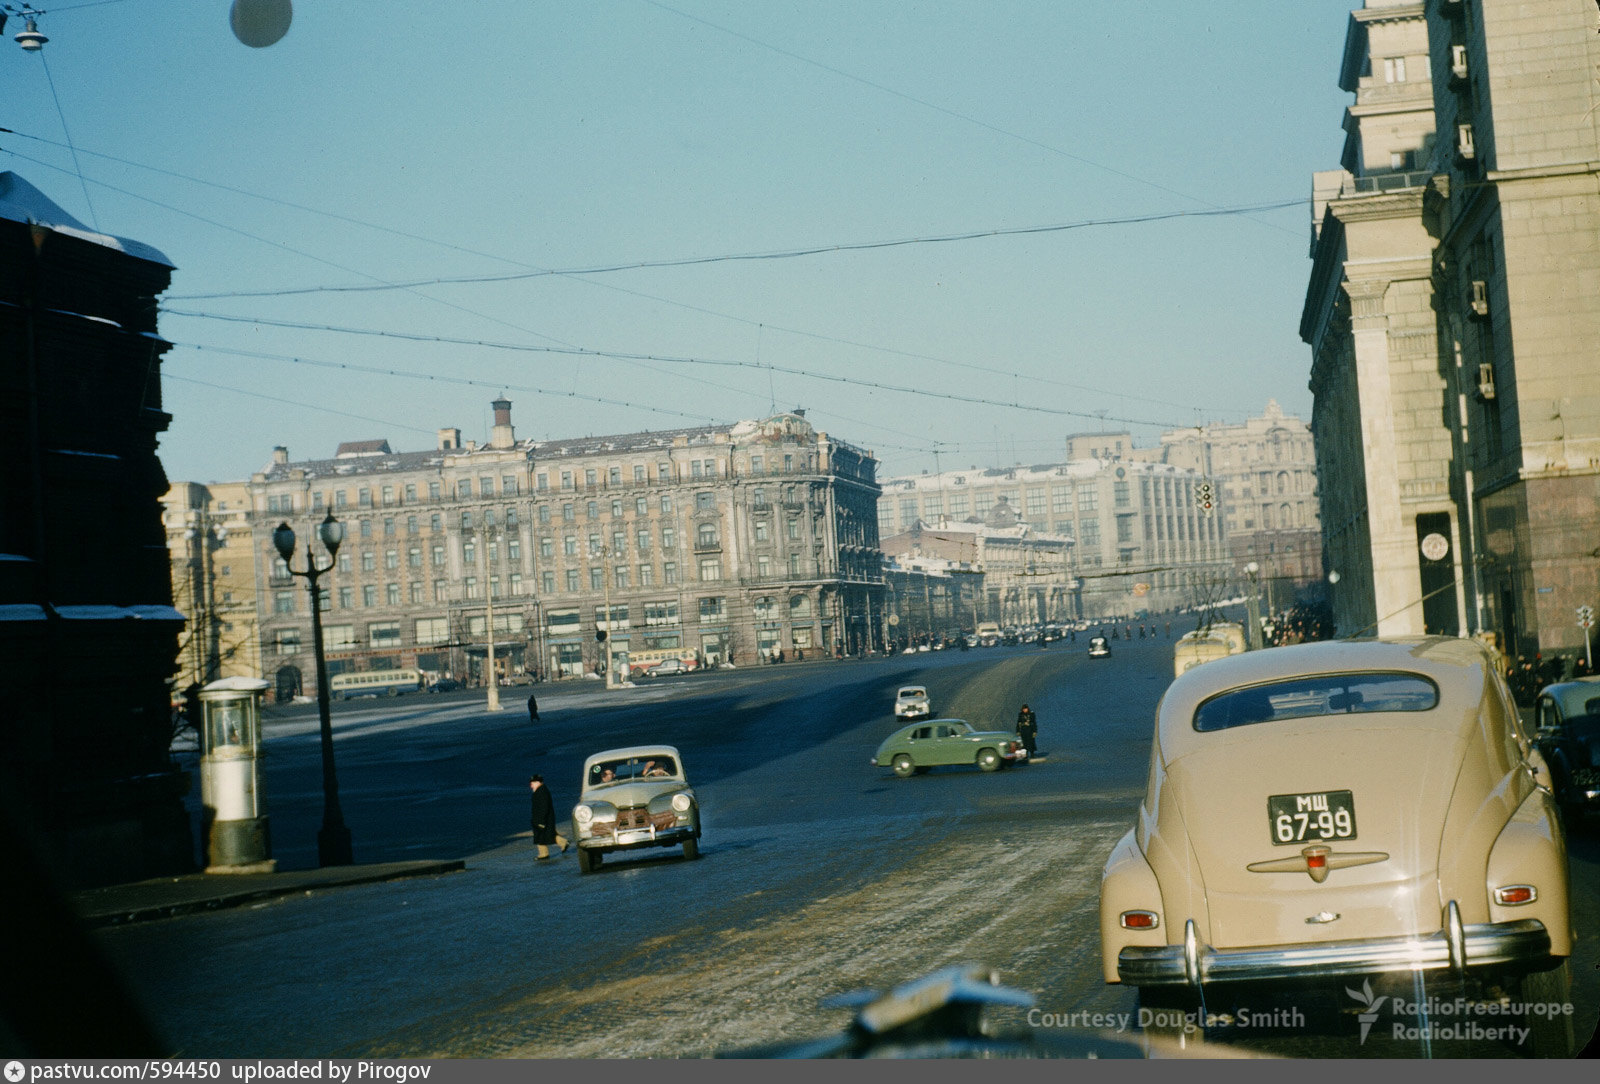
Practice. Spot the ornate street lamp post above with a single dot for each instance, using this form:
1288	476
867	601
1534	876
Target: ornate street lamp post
333	839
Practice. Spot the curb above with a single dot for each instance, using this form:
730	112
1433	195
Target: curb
166	897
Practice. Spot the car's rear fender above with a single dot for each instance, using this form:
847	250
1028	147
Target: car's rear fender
1531	850
1127	884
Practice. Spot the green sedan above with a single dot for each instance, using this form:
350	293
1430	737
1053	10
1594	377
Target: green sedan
914	749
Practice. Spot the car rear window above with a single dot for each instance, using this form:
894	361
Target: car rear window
1305	697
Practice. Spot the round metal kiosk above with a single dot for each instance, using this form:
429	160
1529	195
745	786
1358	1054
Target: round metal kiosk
236	832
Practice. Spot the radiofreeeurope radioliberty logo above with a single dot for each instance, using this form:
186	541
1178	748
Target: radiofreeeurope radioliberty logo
1370	1015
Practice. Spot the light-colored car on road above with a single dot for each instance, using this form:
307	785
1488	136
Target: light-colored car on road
633	798
1339	811
914	749
912	702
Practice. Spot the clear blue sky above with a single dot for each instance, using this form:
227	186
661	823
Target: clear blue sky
392	143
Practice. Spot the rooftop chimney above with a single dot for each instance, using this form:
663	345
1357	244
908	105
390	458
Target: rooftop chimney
502	436
280	456
449	439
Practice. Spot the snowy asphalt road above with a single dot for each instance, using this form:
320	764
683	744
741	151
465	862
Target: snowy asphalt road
819	874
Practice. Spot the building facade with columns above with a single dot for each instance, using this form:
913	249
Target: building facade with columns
1452	311
1135	538
713	543
1265	472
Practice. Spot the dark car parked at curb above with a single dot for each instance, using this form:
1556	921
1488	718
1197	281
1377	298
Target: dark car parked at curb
1568	719
444	685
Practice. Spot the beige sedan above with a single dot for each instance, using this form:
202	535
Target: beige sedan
1343	811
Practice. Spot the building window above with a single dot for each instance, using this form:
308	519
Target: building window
466	521
705	501
283	602
763	565
713	609
569	513
663	472
391	592
756	466
621	577
638	472
569	545
388	495
593	510
469	553
669	572
384	633
572	579
470	584
414	557
594	544
433	491
414	591
544	514
647	577
590	478
614	476
366	528
666	504
369	595
514	548
566	479
1394	69
346	597
287	641
547	546
364	497
432	630
710	568
761	531
369	561
437	554
516	583
547	580
758	497
508	485
597	579
706	535
391	558
543	483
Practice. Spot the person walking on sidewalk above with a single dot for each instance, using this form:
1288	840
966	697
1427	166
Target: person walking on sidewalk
533	709
543	821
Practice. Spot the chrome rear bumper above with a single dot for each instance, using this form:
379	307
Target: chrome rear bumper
1455	947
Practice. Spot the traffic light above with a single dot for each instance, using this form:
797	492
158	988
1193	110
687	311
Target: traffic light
1205	495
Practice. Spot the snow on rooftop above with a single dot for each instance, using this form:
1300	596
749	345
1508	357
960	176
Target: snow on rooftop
21	202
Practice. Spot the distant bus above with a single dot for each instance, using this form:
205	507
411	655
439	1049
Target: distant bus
375	683
640	661
988	634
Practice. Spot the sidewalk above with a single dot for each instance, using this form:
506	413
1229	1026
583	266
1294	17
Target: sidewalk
164	897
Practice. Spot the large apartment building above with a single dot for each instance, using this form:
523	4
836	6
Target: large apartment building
717	543
1265	473
213	581
1137	540
1453	313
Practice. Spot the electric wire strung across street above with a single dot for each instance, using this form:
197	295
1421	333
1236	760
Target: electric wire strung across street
663	358
581	275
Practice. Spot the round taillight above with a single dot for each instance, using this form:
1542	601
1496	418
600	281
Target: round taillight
1140	920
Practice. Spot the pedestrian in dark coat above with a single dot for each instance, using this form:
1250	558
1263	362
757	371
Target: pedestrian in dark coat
1028	730
533	709
543	820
